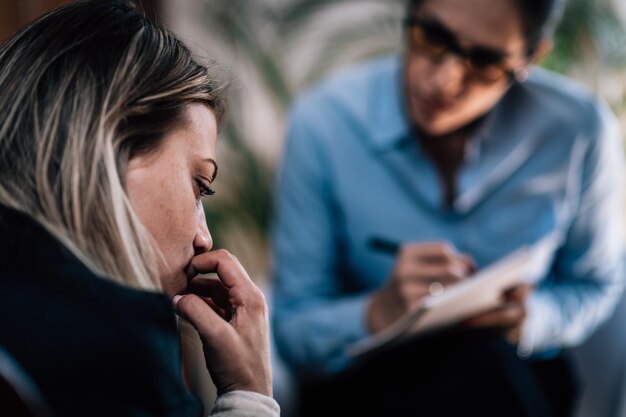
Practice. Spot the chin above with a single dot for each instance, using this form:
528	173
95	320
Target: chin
173	285
436	127
441	125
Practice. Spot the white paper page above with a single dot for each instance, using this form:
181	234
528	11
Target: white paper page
477	293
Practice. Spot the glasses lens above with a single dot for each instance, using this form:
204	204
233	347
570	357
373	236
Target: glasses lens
430	38
487	64
427	41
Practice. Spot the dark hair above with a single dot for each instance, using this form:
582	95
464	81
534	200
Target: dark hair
539	18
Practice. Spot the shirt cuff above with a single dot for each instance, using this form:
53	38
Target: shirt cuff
539	327
245	404
353	312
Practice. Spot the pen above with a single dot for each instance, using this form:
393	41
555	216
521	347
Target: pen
391	247
385	245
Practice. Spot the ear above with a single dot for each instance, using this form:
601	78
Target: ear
544	47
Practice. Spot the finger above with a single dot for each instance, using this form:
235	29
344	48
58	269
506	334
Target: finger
505	316
210	287
441	253
241	289
207	322
514	334
446	274
518	293
468	263
429	252
223	263
412	292
414	305
225	313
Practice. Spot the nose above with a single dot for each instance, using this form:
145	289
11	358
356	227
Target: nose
202	241
449	76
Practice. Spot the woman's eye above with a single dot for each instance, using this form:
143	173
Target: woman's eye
204	190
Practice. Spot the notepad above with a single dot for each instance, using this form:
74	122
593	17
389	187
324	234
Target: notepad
474	295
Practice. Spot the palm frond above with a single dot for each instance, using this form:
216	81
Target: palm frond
379	35
588	26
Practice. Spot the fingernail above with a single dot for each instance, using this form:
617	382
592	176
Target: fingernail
176	299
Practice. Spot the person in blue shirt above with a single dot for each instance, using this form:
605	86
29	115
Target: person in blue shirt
463	150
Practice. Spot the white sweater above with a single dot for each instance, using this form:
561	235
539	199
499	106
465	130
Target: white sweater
245	404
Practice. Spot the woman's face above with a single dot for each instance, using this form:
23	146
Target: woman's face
442	94
165	188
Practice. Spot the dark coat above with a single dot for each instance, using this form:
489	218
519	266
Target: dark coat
94	348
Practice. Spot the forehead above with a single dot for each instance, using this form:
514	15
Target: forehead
199	119
494	24
192	142
198	130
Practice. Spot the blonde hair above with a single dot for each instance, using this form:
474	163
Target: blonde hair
82	90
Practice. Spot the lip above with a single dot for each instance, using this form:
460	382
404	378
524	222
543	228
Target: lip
433	105
189	271
430	103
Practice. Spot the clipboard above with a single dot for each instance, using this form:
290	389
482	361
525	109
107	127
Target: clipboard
476	294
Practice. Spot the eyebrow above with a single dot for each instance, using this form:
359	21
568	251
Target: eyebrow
425	17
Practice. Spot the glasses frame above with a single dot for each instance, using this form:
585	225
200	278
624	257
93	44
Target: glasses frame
452	46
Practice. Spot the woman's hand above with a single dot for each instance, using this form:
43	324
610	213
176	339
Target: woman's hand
231	316
510	315
419	270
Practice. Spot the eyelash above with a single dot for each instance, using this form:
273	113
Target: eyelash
205	191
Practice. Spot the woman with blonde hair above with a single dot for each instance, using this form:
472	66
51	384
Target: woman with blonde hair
107	147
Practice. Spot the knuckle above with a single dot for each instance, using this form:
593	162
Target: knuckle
222	253
443	248
260	301
512	313
404	254
257	300
404	287
226	256
185	301
401	271
406	293
187	304
451	272
215	333
408	248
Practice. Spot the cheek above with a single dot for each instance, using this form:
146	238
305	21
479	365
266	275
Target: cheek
480	99
174	236
180	218
170	219
416	73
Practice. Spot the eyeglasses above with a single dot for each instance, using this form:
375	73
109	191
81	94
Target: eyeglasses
432	39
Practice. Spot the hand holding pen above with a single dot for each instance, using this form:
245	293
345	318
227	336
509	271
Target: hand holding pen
509	316
420	269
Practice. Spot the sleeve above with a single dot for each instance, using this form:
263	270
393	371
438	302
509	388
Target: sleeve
245	404
588	271
313	321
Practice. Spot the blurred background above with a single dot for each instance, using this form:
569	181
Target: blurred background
268	51
274	49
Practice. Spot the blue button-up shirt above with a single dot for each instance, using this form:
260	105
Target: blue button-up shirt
547	160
